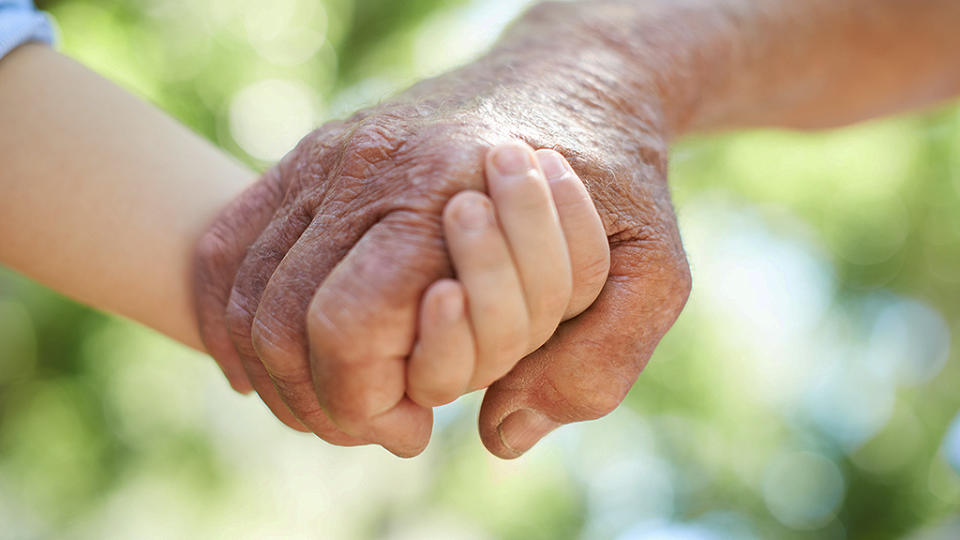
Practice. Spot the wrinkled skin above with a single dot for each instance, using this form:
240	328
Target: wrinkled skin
316	272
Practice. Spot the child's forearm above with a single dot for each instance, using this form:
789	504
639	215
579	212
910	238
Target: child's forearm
103	196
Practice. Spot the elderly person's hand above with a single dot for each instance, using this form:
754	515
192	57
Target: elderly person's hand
310	283
356	209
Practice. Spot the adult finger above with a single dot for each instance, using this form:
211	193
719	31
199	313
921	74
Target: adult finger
224	248
361	327
269	310
220	253
261	260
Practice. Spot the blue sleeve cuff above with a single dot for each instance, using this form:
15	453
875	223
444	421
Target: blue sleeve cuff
21	23
952	445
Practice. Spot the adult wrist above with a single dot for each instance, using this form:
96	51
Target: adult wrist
668	57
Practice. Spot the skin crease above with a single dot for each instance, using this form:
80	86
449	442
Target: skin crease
321	265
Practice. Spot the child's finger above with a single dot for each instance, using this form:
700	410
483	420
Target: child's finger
531	225
586	239
442	362
484	266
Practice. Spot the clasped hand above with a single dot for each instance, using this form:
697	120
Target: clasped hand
367	277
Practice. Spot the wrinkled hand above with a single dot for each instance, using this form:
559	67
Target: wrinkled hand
308	285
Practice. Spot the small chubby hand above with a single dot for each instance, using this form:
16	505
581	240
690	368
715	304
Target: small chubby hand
527	257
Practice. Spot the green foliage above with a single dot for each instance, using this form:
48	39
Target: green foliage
377	21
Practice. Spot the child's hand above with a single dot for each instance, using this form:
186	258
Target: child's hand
531	255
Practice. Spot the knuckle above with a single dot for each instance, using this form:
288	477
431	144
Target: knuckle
291	384
275	347
684	283
325	335
676	281
431	156
601	402
212	252
373	143
347	418
315	416
339	319
652	236
238	318
334	436
447	157
592	383
225	242
417	231
293	423
340	336
654	255
211	285
600	399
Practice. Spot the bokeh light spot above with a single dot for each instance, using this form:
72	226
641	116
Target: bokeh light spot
803	490
269	117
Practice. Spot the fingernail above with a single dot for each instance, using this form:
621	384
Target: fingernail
522	429
553	165
473	214
513	160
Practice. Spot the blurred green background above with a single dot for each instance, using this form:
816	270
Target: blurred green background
806	391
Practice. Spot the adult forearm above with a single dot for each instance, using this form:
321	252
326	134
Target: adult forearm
730	63
821	63
103	196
